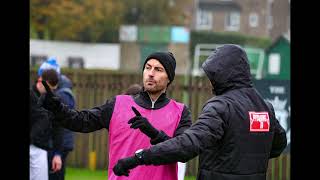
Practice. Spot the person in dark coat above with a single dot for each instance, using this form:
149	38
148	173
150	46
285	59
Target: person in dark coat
134	121
235	134
42	129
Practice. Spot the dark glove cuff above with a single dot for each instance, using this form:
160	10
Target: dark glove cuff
133	162
161	136
154	133
147	159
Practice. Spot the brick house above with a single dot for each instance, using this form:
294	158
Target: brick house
262	18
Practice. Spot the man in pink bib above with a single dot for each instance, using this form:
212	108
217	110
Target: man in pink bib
134	122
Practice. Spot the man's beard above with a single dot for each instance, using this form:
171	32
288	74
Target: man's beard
153	90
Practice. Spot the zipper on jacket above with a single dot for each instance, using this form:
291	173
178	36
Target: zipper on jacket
153	102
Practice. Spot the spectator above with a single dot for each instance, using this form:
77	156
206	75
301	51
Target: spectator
64	92
41	128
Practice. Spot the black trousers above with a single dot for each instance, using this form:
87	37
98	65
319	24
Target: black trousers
59	175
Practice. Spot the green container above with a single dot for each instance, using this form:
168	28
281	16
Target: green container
154	34
147	48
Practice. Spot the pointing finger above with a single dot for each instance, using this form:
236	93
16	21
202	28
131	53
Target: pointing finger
135	111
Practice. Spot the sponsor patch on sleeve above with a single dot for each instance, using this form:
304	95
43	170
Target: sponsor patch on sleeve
259	121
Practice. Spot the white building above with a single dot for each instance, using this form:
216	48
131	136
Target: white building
76	54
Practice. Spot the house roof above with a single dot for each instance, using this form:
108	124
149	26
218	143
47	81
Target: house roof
285	37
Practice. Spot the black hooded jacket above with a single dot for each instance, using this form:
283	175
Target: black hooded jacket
39	123
228	149
42	128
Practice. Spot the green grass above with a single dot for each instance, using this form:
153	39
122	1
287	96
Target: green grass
189	178
86	174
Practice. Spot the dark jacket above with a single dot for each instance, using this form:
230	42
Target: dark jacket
39	123
64	92
42	128
99	117
228	149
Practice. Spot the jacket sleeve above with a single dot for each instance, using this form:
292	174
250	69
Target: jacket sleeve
88	120
208	129
39	118
185	123
279	142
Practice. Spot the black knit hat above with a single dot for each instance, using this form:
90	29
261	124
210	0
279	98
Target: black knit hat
167	60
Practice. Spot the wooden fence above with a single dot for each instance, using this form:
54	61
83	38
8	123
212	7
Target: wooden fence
93	88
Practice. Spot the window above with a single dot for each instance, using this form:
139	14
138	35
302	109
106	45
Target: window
274	63
204	20
232	21
253	20
172	3
76	62
269	14
37	60
269	22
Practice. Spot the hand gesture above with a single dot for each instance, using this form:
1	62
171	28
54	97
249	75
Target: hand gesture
124	165
143	124
51	101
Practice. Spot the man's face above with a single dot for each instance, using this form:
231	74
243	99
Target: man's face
42	89
155	78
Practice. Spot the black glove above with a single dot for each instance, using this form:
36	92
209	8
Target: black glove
124	165
143	124
51	102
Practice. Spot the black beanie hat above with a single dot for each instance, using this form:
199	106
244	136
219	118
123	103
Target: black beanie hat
167	60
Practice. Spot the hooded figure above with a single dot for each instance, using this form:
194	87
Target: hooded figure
235	134
228	68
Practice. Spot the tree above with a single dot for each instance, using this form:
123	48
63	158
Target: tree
160	12
99	20
79	20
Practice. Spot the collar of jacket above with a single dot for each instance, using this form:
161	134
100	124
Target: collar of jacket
143	100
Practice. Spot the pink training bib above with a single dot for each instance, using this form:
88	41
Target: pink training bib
124	141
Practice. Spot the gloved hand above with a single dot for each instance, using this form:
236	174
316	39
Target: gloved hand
51	102
124	165
143	124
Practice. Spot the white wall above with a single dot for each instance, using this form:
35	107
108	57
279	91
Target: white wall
95	55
